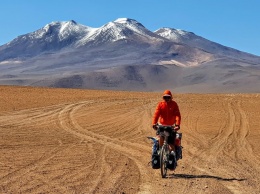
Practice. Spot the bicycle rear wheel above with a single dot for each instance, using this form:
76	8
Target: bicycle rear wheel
163	161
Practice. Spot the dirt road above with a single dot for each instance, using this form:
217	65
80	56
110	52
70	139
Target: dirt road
87	141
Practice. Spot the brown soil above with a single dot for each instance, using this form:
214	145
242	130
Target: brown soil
88	141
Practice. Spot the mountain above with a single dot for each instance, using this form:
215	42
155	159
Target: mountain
193	40
124	55
52	37
58	36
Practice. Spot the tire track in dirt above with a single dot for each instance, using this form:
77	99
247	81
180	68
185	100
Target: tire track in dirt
225	145
99	172
112	118
191	153
32	116
69	124
222	120
21	119
15	176
109	127
108	177
40	116
244	130
230	144
238	148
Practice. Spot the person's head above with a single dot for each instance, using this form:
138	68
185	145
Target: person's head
167	96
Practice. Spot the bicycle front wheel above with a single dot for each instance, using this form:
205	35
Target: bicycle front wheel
163	161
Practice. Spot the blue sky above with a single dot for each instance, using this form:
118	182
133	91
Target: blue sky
233	23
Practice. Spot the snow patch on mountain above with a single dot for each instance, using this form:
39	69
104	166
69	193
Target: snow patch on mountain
136	27
54	32
176	35
120	29
109	32
125	20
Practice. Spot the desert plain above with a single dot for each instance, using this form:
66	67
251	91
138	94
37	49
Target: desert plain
94	141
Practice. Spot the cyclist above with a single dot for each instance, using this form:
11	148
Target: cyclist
167	113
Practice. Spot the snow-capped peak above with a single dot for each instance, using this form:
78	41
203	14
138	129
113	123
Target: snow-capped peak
119	29
65	29
174	34
126	20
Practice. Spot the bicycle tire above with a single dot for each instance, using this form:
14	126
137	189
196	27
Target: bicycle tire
163	161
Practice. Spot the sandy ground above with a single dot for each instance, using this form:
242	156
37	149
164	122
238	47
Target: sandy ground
87	141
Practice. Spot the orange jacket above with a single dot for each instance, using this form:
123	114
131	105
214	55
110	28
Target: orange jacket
167	113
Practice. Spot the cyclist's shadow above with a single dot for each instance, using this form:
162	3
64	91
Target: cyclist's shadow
189	176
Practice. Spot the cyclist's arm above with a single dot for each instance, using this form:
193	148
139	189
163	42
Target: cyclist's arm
177	115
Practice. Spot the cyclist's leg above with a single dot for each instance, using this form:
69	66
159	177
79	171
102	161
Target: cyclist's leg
172	147
171	141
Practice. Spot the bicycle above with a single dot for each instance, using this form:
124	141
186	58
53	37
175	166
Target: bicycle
167	160
162	158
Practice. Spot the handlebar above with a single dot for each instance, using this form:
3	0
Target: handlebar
164	127
165	130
